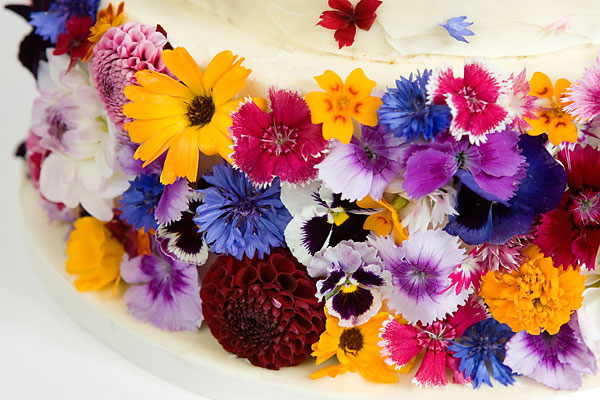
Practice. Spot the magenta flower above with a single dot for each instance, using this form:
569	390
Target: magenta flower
284	143
401	343
163	291
120	53
475	100
585	95
365	166
519	103
557	361
505	257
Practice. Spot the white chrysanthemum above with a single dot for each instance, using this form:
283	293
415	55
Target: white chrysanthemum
71	121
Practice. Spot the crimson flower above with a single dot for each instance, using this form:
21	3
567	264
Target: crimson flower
346	18
75	40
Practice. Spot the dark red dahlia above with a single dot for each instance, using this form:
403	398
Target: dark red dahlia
263	310
345	18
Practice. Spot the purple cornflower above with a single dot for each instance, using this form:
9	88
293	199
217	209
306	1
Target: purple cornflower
164	292
363	167
354	279
457	28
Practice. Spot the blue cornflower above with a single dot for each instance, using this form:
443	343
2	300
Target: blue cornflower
483	344
139	202
405	111
457	28
239	218
49	24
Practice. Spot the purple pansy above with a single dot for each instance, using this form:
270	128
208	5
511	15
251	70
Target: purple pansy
354	279
363	167
163	292
557	361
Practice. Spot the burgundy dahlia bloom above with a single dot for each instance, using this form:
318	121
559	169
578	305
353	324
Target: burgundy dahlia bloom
120	53
284	143
263	310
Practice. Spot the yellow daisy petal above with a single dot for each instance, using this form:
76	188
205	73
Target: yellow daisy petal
230	84
562	130
139	94
330	82
365	111
540	85
163	84
340	128
358	86
141	130
183	66
205	140
152	148
220	64
154	111
321	105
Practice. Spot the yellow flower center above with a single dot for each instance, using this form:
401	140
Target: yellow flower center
343	103
351	341
349	288
200	111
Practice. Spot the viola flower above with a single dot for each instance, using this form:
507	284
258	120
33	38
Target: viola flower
481	347
50	24
505	257
420	267
93	254
457	28
238	218
480	220
401	343
163	292
552	116
475	100
385	219
341	102
536	297
180	239
282	144
354	279
346	18
74	41
320	219
519	103
363	167
406	113
105	20
557	361
263	310
118	55
570	233
188	117
493	169
355	348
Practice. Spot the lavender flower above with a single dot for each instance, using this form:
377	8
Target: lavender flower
420	268
363	167
164	292
457	28
354	280
557	361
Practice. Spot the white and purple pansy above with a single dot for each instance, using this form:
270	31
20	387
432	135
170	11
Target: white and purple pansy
354	281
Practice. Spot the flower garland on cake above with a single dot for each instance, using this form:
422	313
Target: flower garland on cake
460	221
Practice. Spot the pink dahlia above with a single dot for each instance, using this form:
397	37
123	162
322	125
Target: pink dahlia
570	233
476	100
401	343
283	143
120	53
584	95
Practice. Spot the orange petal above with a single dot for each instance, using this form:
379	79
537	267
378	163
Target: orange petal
157	82
358	86
339	127
560	91
330	82
562	130
365	111
379	224
154	111
321	105
540	85
368	202
220	64
184	67
539	125
157	144
140	94
141	130
229	84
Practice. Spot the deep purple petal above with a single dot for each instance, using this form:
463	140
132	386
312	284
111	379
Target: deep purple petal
427	171
368	278
351	305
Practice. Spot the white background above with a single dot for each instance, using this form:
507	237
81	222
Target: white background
43	353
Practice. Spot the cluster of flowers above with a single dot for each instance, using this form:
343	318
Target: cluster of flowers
460	220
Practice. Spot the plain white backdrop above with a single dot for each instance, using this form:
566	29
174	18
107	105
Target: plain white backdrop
43	353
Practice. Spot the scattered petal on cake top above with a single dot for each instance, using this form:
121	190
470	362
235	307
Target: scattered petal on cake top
345	18
458	28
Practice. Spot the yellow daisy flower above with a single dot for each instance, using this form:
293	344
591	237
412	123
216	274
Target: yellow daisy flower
341	102
552	118
384	222
105	20
93	254
539	296
188	117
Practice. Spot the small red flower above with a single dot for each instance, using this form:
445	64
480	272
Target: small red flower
347	17
75	40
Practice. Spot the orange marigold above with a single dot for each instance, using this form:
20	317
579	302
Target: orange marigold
536	297
105	20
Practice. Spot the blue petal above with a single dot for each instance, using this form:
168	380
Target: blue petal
457	28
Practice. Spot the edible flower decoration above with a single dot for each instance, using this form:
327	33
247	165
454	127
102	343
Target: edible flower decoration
341	102
356	349
385	219
188	117
584	95
552	116
538	297
51	22
458	28
105	19
74	41
345	18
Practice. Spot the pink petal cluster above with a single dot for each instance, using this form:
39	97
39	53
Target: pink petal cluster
505	257
519	103
476	100
401	343
585	95
120	53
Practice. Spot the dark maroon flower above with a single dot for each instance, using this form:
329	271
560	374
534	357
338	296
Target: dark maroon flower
346	18
263	310
75	41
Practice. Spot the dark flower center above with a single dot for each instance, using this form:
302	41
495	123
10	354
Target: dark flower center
56	125
277	140
351	341
201	110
